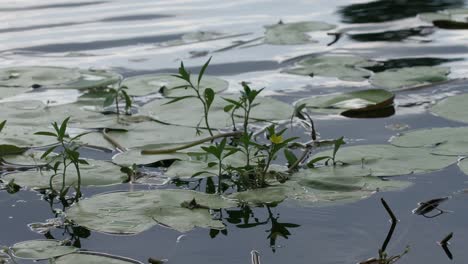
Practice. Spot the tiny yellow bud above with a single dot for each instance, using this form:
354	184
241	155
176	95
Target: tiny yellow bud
276	139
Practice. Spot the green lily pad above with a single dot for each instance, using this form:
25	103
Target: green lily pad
8	92
41	249
360	101
294	33
189	112
452	108
97	173
135	212
410	77
153	83
344	67
56	78
89	257
388	160
28	158
145	134
23	136
449	141
463	164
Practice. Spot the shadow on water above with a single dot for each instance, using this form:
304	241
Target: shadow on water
408	62
388	10
393	35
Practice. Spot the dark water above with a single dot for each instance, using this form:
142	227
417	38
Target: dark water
126	36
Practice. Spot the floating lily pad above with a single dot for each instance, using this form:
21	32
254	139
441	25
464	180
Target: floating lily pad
56	78
135	212
344	67
28	158
294	33
8	92
145	134
463	164
97	173
450	141
453	108
41	249
360	101
88	257
410	77
388	160
165	83
23	136
190	111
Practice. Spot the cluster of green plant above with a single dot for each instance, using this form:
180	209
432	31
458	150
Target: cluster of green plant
67	158
117	94
259	152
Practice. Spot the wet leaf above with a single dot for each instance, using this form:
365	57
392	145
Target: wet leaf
135	212
55	78
169	85
294	33
41	249
97	173
90	257
344	67
410	77
453	108
388	160
352	102
449	141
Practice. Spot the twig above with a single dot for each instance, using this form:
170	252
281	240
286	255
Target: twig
112	141
446	239
389	211
392	227
189	145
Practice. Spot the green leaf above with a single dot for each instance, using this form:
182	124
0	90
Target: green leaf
109	100
10	150
228	108
46	133
179	98
336	146
202	71
311	163
63	128
2	125
290	157
209	97
48	151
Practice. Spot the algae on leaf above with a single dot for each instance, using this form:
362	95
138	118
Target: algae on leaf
294	33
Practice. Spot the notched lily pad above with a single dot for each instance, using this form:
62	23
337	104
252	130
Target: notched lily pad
55	78
41	249
453	108
344	67
349	103
166	83
388	160
409	77
97	173
294	33
89	257
449	141
135	212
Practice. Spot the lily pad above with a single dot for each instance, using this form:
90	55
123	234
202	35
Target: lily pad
453	108
165	83
360	101
344	67
56	78
23	136
135	212
41	249
145	134
90	257
268	195
294	33
97	173
28	158
388	160
449	141
409	77
8	92
189	112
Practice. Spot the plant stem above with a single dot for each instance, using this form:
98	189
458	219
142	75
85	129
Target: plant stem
219	175
189	145
302	158
111	140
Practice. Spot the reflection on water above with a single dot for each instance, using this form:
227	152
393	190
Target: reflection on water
388	10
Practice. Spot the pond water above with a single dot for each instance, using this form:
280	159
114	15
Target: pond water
145	36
